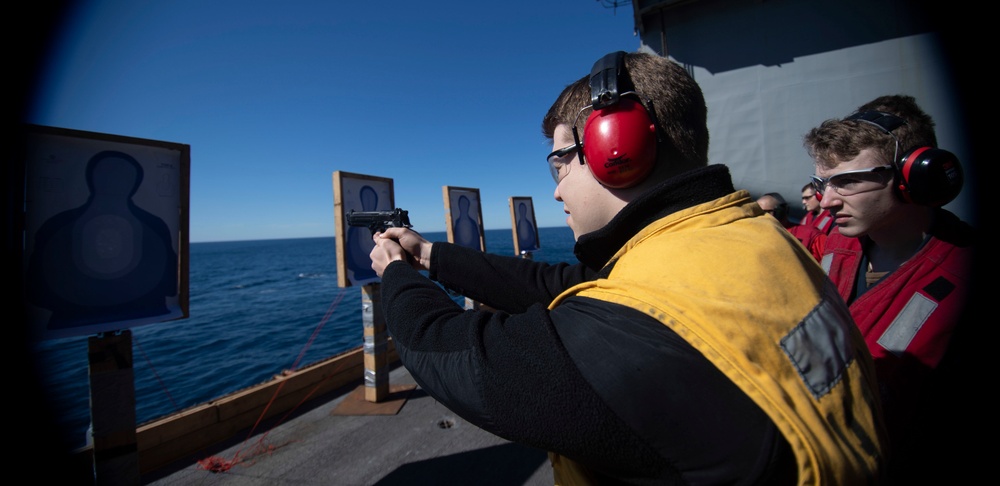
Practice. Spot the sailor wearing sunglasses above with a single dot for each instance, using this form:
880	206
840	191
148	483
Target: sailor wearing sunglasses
903	264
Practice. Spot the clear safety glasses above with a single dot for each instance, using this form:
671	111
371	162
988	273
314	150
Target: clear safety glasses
853	181
559	159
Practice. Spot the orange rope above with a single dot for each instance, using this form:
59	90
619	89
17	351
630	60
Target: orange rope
216	464
152	368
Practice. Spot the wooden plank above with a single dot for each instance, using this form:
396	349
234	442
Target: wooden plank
189	431
112	409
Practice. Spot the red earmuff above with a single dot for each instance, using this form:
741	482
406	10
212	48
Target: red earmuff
620	135
929	176
619	144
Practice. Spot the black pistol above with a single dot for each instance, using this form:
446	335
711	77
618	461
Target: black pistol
378	221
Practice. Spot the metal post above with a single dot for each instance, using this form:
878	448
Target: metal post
112	409
376	344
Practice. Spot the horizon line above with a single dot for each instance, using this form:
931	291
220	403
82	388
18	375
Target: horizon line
334	235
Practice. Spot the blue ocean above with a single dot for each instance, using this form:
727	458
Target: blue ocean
257	308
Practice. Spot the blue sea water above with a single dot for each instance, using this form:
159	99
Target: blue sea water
257	308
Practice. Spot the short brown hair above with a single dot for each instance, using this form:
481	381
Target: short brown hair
843	139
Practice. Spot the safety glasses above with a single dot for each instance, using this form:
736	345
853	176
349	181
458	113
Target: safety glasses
852	182
559	159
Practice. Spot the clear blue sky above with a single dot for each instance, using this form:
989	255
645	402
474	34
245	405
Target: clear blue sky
273	97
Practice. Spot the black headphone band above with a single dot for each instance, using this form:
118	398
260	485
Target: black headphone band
605	76
880	119
885	122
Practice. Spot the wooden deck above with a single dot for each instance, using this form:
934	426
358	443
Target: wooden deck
319	429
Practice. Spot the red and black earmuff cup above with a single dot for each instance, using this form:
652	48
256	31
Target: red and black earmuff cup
619	144
619	136
929	176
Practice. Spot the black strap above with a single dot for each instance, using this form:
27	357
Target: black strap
604	80
880	119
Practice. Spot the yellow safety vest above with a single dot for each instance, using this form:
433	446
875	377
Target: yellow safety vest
749	297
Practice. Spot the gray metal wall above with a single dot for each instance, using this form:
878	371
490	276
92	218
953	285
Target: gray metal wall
771	70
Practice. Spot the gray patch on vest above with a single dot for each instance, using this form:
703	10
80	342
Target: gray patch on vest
819	347
826	262
907	324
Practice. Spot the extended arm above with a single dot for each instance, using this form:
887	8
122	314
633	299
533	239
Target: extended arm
508	374
569	380
508	283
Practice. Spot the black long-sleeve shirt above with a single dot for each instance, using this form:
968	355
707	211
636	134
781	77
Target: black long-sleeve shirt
599	383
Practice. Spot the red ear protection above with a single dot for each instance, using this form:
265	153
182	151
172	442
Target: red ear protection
619	137
619	144
924	175
929	176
